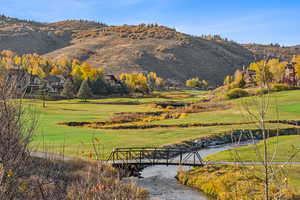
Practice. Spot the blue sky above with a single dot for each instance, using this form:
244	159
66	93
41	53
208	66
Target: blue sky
259	21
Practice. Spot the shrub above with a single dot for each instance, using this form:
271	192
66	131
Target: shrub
237	93
280	87
261	91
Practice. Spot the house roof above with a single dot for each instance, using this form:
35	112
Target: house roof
53	78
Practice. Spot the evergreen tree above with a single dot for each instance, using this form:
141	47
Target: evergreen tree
68	90
84	91
99	87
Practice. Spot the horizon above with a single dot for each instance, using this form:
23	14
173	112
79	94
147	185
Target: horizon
247	22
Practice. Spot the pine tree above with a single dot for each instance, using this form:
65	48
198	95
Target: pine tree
84	91
68	89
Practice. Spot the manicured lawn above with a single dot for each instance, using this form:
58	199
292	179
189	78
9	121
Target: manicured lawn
287	104
52	137
283	147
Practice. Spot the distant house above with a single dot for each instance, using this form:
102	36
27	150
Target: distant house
54	84
112	79
249	76
24	80
32	83
290	76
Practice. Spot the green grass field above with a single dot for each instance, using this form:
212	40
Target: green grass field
73	141
282	148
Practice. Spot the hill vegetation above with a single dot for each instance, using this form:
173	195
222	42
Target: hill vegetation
128	48
272	51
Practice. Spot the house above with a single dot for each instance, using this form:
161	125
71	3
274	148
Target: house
54	84
32	83
249	76
112	80
24	80
290	76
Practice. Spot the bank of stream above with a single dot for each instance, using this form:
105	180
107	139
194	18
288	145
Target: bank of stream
161	183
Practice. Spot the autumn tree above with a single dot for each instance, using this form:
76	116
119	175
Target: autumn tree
277	69
296	60
136	82
154	82
193	83
263	73
205	84
228	80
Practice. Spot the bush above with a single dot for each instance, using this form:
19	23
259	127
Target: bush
237	93
261	91
280	87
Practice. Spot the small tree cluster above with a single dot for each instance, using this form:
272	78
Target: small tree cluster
266	72
138	82
236	81
196	83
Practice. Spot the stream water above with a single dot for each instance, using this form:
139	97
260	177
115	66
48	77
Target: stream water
161	183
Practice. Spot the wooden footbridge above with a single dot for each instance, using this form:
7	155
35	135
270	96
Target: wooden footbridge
143	156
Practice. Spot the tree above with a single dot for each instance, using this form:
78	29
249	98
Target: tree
68	90
194	83
228	80
263	74
277	69
205	84
135	82
43	92
99	87
84	91
238	80
17	127
296	60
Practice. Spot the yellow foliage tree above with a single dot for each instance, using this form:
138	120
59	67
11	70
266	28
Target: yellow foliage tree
263	74
296	60
277	69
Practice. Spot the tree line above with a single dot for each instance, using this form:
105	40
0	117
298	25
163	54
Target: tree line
81	79
266	72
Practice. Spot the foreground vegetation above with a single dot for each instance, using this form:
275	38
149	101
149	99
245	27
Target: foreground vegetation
25	177
240	182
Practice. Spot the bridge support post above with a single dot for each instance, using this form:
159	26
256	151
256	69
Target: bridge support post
180	160
168	153
140	157
194	158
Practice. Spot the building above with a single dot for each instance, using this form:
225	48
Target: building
32	83
112	80
249	76
54	84
290	76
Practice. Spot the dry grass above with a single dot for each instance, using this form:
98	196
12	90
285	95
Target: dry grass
234	182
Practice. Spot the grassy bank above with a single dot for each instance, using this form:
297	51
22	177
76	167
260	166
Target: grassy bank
284	146
236	182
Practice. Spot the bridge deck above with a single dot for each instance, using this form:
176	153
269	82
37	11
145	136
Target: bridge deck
156	162
155	156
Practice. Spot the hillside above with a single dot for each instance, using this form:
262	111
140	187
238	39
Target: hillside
297	47
273	51
127	48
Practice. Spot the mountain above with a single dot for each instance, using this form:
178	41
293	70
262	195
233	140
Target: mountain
273	51
127	48
297	47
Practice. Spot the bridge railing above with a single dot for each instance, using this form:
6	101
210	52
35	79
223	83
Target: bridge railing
155	155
